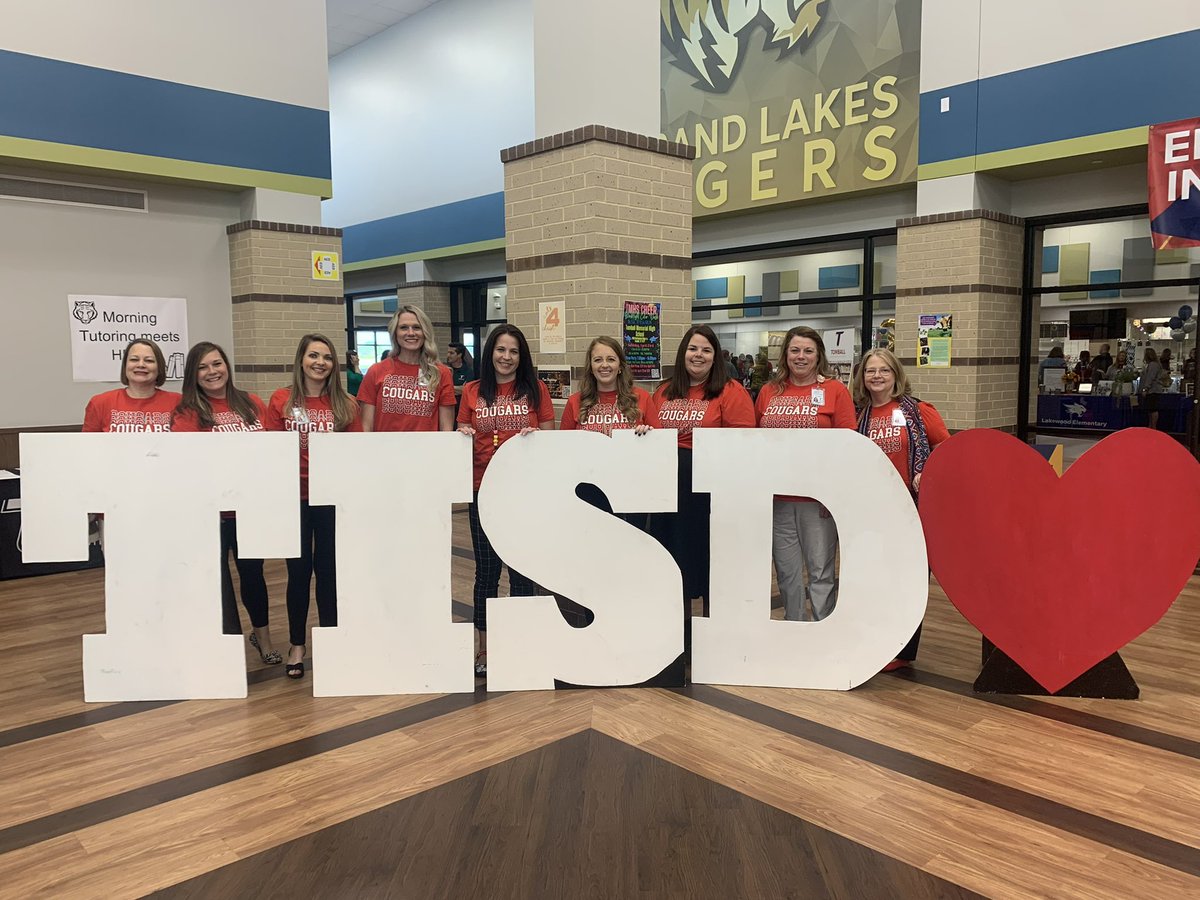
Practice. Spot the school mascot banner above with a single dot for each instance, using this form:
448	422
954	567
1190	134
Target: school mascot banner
789	100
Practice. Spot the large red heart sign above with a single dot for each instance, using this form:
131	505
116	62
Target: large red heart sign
1059	573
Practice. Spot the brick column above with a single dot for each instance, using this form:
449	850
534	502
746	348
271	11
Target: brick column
434	298
595	217
968	264
276	300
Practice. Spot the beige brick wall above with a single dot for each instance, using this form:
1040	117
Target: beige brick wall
266	332
598	196
959	254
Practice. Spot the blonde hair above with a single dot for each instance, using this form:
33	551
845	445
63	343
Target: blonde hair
858	384
428	362
779	378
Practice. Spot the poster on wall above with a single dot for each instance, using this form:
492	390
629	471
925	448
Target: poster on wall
934	333
552	318
102	326
641	322
1173	164
787	101
557	381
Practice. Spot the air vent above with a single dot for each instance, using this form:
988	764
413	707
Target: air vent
68	194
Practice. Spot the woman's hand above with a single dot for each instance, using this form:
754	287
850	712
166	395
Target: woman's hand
917	481
466	429
639	430
529	429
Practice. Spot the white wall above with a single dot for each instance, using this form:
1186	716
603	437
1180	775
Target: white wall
1095	189
420	112
597	64
272	49
178	249
962	40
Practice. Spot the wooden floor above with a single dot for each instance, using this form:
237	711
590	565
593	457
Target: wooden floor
910	786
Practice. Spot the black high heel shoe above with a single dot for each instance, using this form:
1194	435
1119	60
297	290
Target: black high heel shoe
296	669
270	657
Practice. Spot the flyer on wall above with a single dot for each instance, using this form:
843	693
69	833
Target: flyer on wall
934	334
102	326
640	327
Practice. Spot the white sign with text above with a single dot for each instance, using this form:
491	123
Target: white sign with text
102	326
161	495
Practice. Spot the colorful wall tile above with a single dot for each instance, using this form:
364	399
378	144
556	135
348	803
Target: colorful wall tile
1073	268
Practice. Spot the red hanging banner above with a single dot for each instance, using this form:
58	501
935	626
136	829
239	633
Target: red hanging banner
1173	169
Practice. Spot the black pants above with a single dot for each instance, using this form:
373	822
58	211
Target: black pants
488	566
254	586
316	555
685	534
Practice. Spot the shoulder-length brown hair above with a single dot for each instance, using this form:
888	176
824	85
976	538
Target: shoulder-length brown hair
858	384
779	378
589	391
194	400
343	405
679	383
158	358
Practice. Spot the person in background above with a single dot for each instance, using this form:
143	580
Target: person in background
1054	360
1164	360
1110	374
354	376
211	402
315	402
1189	366
409	390
1083	368
760	374
141	405
1150	386
1103	360
804	393
698	394
904	428
507	400
462	367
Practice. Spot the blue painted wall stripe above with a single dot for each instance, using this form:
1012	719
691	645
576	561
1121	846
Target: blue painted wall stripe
461	222
1111	90
69	103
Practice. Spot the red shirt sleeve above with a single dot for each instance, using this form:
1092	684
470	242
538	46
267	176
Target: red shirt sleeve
445	394
843	410
645	405
656	402
935	428
737	410
185	422
273	420
545	410
260	408
93	416
466	408
368	391
570	416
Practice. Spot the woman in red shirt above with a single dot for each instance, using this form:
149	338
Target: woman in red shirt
905	428
507	400
315	402
699	394
211	402
803	393
140	405
410	390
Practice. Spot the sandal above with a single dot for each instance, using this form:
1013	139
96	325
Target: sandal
481	664
270	657
295	669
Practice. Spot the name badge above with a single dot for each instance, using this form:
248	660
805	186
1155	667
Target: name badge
898	418
818	396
